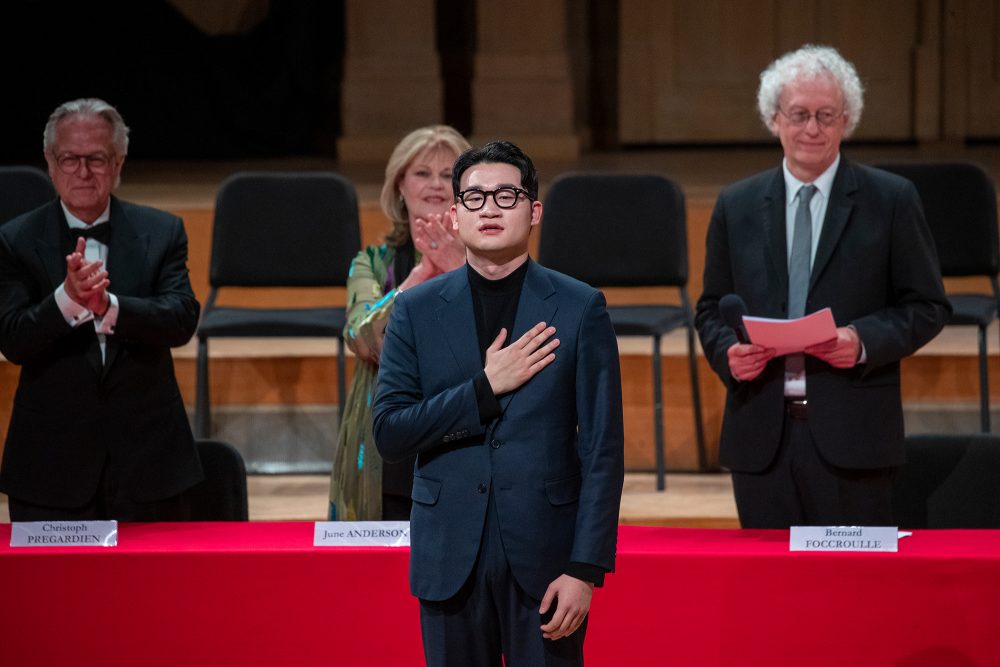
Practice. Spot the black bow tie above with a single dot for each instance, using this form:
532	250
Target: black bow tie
100	233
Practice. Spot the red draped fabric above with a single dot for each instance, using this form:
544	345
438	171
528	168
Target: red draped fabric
261	594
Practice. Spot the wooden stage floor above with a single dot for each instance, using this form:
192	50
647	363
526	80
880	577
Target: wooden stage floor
691	500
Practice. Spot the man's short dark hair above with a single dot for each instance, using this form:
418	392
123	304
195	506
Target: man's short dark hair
503	152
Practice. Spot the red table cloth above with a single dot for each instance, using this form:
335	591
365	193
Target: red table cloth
261	594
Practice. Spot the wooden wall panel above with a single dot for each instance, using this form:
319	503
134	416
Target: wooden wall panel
677	84
880	38
689	69
983	69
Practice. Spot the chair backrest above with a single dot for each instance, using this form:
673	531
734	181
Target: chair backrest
949	481
222	495
23	189
284	230
615	230
960	202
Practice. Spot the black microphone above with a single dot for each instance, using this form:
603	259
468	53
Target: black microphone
732	309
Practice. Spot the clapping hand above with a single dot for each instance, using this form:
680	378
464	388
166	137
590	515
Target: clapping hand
437	243
87	282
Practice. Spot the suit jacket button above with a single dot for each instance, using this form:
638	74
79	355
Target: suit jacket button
482	488
496	444
447	438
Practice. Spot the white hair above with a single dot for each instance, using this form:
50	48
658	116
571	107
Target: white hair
88	107
810	62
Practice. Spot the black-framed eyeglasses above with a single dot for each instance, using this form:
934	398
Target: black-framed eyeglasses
824	117
507	197
98	163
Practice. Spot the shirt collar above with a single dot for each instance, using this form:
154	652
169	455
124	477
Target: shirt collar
76	223
823	183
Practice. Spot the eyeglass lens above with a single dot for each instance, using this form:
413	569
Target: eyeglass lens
824	117
503	197
69	163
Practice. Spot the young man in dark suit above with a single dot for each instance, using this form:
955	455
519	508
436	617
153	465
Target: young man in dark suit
503	378
94	292
813	439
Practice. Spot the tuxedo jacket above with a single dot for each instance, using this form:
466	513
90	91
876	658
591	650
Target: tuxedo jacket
553	460
875	267
72	413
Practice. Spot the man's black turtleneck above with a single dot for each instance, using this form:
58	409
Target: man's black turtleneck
494	303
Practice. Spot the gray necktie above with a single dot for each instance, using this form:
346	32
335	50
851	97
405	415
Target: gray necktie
799	268
800	260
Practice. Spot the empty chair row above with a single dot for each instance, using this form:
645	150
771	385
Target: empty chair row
301	229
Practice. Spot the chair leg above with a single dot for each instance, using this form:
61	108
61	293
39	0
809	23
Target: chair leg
661	468
699	429
202	416
341	383
984	383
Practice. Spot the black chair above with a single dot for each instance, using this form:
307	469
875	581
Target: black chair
960	203
222	495
615	230
23	189
277	230
949	481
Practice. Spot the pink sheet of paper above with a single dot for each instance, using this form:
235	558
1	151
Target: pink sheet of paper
790	336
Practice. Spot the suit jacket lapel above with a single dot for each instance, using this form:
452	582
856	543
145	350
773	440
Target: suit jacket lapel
127	251
838	212
772	213
53	243
535	305
458	322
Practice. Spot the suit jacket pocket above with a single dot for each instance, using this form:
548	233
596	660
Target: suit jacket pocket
425	490
563	490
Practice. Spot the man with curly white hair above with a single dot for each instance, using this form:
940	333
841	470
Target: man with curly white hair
813	438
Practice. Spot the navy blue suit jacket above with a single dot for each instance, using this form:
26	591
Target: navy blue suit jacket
71	412
875	267
554	458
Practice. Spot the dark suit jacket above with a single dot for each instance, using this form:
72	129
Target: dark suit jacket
71	413
875	267
554	458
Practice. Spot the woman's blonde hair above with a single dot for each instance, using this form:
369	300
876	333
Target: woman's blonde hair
412	145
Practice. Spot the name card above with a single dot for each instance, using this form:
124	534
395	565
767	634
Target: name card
361	534
844	538
64	534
